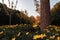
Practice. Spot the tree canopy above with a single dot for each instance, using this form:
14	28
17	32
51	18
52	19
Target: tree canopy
55	12
17	17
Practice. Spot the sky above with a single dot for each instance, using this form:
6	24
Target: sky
29	6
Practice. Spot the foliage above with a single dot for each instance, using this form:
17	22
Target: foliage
55	12
32	19
17	17
28	32
37	5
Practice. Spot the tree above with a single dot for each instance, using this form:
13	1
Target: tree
55	13
37	6
45	14
37	21
32	19
12	6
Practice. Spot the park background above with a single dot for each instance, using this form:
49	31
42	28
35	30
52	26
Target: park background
20	20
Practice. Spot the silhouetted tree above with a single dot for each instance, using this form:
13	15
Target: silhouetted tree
55	12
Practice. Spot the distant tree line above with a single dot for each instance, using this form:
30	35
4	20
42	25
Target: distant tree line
17	17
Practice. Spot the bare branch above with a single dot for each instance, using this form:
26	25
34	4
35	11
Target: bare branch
9	2
3	1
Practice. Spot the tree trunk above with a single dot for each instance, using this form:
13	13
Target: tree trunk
45	14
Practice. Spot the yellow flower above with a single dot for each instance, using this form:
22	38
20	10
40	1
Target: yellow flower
52	37
13	38
39	36
18	34
1	32
27	33
58	38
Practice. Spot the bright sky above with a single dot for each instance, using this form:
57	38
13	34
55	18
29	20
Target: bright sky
29	6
